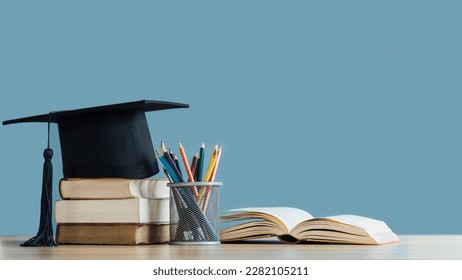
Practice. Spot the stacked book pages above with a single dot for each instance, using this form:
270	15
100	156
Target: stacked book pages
113	211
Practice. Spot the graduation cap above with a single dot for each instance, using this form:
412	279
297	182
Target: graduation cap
97	142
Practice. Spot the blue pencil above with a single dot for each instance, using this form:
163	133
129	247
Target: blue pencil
171	162
168	167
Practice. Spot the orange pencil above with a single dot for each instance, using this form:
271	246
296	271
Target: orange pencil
187	167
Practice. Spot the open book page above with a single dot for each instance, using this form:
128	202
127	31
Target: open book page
376	229
287	215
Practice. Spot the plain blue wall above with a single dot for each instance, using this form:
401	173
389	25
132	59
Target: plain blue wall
331	106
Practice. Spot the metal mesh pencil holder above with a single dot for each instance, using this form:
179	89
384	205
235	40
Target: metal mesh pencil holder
194	213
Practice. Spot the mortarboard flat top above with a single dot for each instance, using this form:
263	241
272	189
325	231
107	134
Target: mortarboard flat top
144	105
106	141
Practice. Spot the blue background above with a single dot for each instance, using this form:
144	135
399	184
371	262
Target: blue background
330	106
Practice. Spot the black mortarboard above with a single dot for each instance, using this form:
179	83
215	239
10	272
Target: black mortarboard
104	141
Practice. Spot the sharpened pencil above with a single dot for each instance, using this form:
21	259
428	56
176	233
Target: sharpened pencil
177	163
194	165
168	175
212	178
162	147
194	169
213	158
214	172
171	163
168	167
186	166
200	163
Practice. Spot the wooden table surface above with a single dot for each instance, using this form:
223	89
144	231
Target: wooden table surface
414	247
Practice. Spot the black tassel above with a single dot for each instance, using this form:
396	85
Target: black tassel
45	237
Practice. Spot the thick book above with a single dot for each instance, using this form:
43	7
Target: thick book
294	225
135	210
112	234
113	188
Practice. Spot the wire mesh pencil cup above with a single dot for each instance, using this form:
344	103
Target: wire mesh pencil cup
194	213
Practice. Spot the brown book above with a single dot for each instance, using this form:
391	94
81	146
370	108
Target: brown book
112	234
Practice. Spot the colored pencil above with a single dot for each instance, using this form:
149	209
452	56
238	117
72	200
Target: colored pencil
214	172
168	167
186	166
208	173
177	163
168	175
171	163
194	169
213	159
162	147
194	165
175	160
212	178
200	163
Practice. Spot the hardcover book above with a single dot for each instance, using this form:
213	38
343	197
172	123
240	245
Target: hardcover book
135	210
113	188
112	234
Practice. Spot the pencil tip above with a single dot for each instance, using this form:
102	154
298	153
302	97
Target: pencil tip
203	145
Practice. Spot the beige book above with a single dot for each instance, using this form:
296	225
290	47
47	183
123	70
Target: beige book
113	188
135	210
112	234
293	225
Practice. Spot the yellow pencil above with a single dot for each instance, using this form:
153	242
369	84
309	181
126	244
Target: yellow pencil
212	178
213	158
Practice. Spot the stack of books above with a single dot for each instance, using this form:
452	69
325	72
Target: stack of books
113	211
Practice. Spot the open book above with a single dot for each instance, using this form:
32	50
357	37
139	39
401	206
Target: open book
293	225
